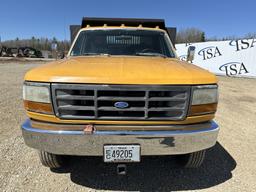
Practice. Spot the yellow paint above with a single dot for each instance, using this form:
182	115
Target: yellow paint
121	70
54	119
88	27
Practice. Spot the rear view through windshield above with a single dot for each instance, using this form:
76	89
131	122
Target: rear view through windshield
122	42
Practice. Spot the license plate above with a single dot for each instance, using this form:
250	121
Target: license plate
122	153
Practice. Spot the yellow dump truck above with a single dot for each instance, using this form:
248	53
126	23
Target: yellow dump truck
120	93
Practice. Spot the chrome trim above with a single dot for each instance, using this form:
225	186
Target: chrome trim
152	142
37	84
210	86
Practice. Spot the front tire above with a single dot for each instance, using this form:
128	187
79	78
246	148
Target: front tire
192	160
50	160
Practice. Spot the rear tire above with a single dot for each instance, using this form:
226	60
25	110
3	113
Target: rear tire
50	160
192	160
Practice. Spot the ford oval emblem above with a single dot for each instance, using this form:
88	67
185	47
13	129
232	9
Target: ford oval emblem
121	105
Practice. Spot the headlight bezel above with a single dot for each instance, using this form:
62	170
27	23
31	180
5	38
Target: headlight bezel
212	89
36	97
200	104
39	101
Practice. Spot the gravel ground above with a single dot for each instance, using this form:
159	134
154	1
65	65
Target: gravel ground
229	166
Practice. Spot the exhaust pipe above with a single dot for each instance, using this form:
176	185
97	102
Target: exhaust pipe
121	169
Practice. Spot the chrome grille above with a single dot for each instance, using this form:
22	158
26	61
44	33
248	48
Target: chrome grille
80	101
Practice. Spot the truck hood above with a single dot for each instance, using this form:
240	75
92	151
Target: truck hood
121	70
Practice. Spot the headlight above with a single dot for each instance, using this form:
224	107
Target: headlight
204	100
205	94
38	92
37	98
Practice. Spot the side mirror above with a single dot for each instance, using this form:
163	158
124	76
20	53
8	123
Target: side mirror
191	53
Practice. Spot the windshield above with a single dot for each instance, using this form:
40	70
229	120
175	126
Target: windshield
122	42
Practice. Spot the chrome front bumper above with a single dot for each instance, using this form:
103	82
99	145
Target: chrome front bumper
151	142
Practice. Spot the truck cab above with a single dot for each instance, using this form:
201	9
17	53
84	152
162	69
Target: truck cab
120	93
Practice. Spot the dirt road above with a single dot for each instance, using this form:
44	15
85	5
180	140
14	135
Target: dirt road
230	165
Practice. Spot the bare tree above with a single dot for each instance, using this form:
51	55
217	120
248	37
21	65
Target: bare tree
190	35
38	43
250	35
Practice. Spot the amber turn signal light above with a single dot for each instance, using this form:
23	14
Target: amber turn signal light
38	107
202	109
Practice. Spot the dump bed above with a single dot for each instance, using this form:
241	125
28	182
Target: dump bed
132	22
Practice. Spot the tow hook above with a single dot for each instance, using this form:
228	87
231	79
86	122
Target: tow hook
121	169
89	129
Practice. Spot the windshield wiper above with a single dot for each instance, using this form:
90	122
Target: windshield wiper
96	54
151	54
